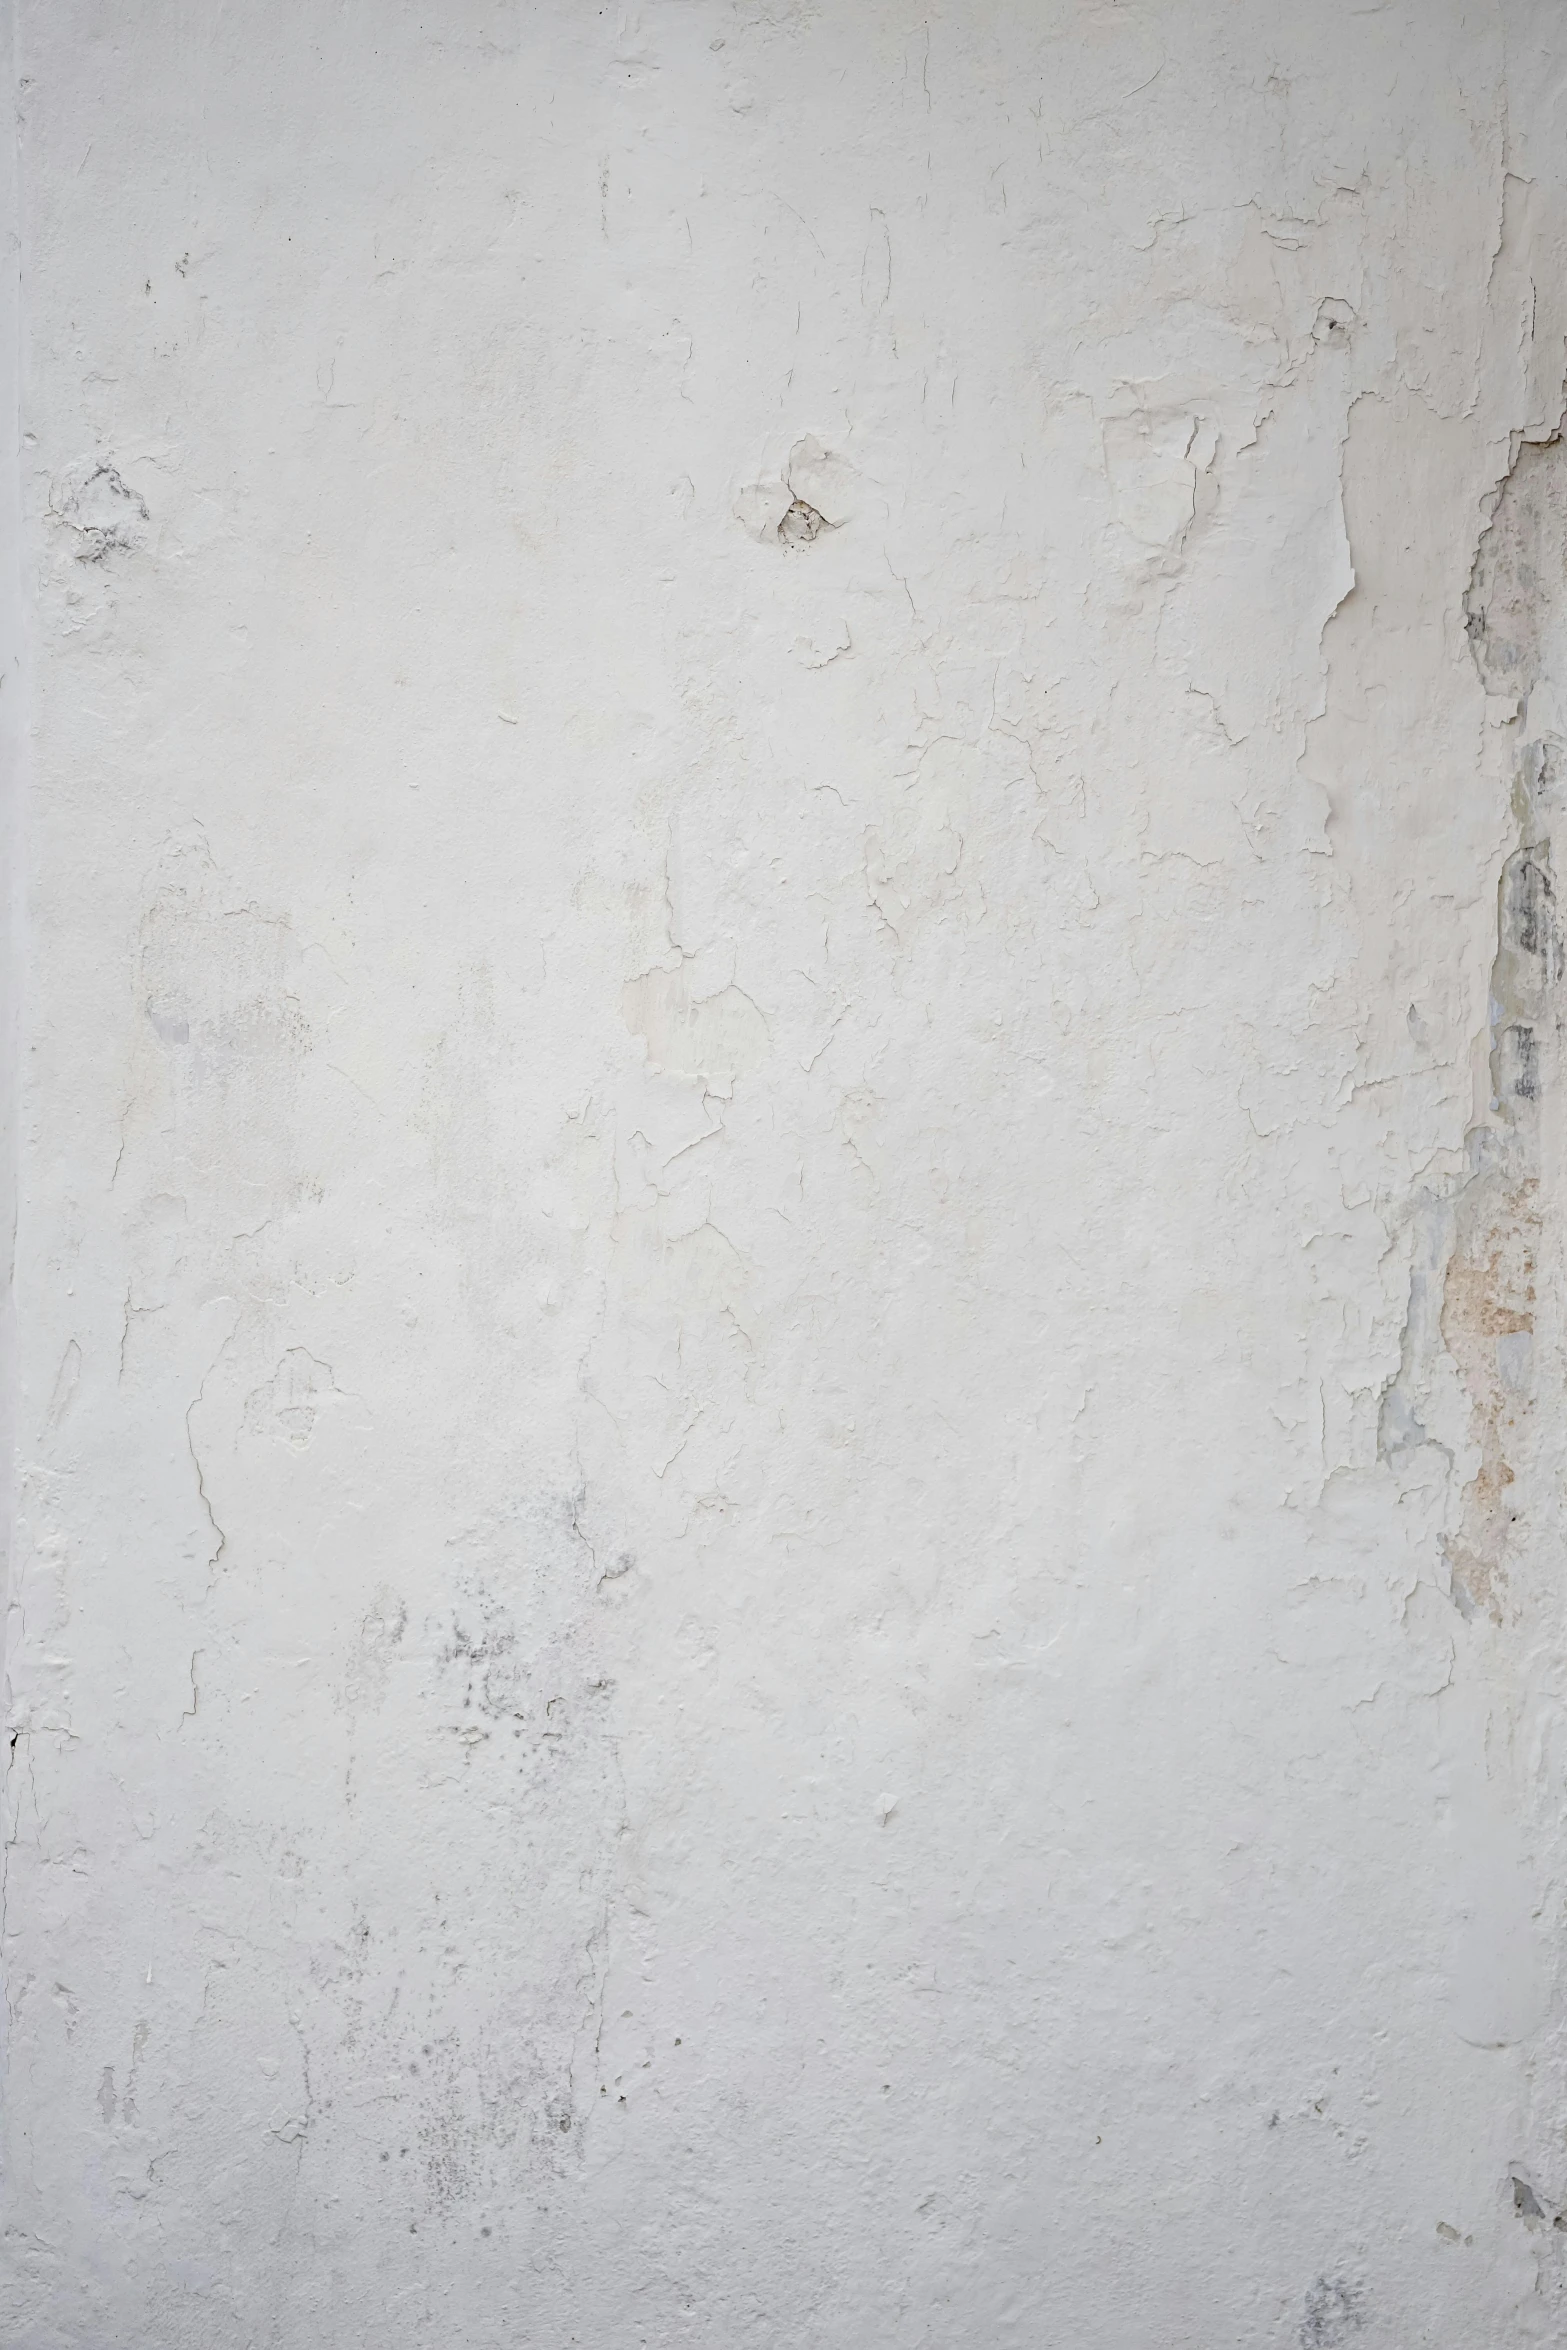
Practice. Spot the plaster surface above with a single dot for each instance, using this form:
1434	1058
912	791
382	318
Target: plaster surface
789	1363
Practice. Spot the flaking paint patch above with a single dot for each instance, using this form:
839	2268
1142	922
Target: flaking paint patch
716	1035
1487	1326
788	1109
1515	616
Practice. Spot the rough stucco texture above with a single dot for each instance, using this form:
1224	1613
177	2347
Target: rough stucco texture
788	1536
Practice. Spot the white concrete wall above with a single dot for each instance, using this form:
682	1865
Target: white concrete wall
791	1359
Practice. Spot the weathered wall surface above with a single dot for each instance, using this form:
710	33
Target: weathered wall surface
791	1374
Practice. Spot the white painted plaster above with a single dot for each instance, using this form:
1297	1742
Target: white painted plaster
790	1366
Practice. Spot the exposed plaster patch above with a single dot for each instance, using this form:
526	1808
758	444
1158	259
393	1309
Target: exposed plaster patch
106	516
290	1403
1481	1246
1515	612
815	490
1158	465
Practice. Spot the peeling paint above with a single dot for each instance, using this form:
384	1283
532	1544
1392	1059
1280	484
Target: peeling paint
789	1118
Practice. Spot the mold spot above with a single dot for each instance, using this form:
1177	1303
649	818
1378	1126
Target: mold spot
1335	2309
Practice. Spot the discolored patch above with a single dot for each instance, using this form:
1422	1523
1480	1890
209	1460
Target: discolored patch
1488	1328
